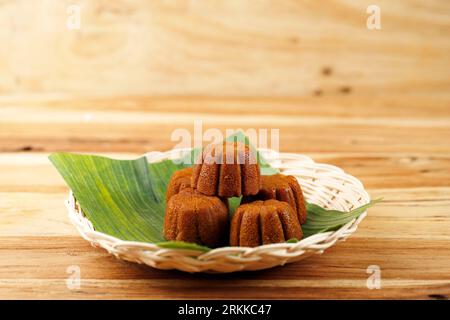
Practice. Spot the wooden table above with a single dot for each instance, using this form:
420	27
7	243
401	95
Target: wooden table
374	102
405	160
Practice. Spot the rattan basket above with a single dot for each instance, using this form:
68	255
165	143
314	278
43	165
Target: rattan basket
322	184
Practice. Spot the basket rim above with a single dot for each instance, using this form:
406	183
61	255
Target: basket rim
283	245
76	216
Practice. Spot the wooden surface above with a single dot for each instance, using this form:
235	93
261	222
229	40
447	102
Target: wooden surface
223	47
376	103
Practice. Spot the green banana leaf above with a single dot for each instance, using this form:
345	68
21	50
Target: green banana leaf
323	220
126	198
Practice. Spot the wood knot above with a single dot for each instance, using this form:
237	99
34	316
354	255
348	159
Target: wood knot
318	92
327	71
345	90
25	148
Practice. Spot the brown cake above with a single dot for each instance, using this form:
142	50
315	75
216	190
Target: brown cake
179	180
227	170
264	222
194	217
282	188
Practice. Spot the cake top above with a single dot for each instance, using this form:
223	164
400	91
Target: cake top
228	153
228	169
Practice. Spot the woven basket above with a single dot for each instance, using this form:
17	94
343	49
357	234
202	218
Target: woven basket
322	184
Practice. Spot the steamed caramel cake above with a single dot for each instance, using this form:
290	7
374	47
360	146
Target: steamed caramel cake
227	169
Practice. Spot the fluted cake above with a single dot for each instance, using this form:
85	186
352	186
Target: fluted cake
180	179
227	170
264	222
194	217
283	188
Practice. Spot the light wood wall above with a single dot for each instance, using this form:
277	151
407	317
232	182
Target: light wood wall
225	48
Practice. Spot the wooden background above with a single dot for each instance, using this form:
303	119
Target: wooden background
376	103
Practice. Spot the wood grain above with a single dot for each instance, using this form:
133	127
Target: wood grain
407	235
375	103
245	48
336	274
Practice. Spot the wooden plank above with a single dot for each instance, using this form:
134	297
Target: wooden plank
345	106
48	289
32	172
254	48
141	138
41	272
144	124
